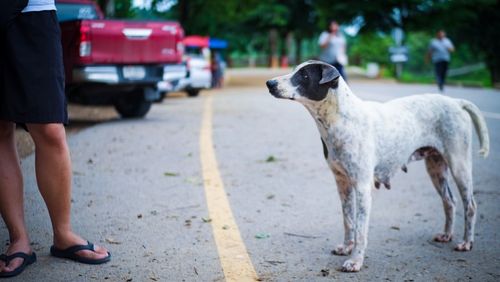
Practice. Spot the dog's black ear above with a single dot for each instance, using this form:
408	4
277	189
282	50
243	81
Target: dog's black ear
328	73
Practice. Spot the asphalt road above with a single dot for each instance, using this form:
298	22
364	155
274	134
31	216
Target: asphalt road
140	188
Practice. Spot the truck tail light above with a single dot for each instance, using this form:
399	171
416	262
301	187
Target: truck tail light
85	40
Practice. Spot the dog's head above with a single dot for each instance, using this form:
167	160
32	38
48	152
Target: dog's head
311	80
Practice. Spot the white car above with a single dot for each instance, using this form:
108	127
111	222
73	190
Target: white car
199	76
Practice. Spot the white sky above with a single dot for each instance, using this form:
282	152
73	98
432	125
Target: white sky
141	3
161	6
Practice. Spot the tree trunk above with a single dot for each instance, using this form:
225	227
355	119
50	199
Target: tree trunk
286	54
298	49
184	14
273	48
107	7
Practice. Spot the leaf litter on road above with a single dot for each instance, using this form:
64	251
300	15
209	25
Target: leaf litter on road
113	241
262	235
300	235
269	159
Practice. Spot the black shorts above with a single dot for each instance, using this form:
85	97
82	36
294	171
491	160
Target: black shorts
31	70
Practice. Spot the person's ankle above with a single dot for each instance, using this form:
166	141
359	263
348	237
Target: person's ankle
19	244
62	234
66	238
19	237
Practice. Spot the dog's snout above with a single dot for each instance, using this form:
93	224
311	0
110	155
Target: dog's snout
271	84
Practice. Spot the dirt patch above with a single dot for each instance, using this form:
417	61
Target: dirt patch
80	117
24	143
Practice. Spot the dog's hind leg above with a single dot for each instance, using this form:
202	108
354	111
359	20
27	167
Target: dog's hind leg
346	193
461	168
440	176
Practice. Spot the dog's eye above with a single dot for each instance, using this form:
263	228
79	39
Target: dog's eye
305	76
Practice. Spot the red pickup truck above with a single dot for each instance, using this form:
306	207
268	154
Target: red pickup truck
117	62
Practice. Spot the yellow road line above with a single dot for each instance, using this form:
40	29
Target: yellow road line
233	254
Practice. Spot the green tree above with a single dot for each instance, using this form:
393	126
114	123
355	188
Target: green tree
370	47
473	23
476	24
120	9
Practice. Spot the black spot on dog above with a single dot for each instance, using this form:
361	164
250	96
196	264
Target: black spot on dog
325	149
314	80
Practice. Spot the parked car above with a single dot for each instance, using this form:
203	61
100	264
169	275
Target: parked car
117	62
199	75
198	65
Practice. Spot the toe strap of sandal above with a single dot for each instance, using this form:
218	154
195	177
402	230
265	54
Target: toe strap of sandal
8	258
77	248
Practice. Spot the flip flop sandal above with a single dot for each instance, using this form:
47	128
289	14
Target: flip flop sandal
70	253
27	260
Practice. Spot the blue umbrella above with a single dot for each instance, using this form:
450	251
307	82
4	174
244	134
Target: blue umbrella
216	43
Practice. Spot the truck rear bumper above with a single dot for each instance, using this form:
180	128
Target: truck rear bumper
105	84
128	74
96	74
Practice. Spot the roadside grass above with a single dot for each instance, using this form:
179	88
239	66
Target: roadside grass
478	78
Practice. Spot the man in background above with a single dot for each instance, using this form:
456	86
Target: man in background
439	51
333	48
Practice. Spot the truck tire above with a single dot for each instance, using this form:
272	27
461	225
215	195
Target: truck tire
133	106
193	92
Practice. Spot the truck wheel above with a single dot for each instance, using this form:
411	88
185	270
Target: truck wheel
132	107
193	92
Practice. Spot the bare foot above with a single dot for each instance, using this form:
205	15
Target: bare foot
15	247
65	241
464	247
442	238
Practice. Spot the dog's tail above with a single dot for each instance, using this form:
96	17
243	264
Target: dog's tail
479	124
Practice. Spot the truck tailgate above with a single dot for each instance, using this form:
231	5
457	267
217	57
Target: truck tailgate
129	42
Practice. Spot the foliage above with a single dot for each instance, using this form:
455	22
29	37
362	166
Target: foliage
369	47
474	79
476	23
250	25
120	9
418	44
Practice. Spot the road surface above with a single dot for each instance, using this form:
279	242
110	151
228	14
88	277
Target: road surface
233	185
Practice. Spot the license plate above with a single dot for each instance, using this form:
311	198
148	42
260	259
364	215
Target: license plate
134	72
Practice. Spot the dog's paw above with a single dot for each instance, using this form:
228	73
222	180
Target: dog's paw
443	238
463	247
343	249
352	265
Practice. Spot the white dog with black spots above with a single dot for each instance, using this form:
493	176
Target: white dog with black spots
366	142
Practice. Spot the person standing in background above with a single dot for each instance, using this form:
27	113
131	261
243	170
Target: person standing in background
333	48
32	94
439	51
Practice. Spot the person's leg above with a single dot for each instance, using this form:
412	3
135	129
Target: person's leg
53	173
11	196
436	74
340	68
444	72
439	75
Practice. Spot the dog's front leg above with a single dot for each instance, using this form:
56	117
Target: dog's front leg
346	193
363	207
